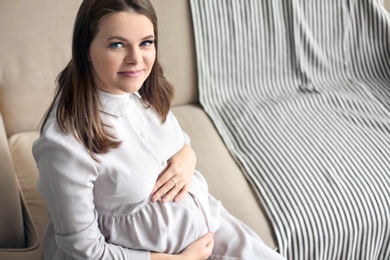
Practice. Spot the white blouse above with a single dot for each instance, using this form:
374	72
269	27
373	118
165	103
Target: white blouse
100	209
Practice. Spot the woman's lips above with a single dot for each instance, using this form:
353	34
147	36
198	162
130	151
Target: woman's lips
130	73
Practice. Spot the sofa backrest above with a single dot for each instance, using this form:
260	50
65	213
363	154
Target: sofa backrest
35	46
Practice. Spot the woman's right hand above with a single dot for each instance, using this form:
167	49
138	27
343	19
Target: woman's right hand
199	249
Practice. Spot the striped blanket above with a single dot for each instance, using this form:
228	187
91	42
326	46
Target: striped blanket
300	92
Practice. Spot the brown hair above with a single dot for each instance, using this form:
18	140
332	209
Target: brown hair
78	101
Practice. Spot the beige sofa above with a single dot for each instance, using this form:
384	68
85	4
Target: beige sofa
34	47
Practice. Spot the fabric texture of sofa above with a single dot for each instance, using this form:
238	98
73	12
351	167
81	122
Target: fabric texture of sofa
34	47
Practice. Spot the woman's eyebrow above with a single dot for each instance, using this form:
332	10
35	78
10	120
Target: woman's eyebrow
149	37
125	40
117	38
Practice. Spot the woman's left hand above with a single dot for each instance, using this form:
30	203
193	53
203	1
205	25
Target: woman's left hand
176	179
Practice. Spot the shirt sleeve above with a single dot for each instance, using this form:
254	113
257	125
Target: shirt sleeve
66	181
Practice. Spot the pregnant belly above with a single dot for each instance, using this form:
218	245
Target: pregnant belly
158	227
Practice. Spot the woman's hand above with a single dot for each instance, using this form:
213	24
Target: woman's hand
199	249
176	179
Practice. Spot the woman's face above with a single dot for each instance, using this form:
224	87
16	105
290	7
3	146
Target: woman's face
122	53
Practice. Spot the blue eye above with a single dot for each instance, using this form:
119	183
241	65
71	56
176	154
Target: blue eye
116	45
147	43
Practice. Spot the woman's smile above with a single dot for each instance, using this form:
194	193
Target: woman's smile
130	73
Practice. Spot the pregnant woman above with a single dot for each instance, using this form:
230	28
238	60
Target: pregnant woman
116	170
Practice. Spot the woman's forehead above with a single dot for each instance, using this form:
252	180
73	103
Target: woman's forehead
126	24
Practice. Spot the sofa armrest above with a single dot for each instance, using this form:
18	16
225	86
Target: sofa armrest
11	215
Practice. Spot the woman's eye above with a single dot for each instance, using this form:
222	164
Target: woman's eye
116	45
147	43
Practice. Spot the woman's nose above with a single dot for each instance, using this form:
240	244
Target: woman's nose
133	56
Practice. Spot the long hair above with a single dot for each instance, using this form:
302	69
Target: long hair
78	101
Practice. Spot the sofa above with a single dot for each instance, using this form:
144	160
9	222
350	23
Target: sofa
34	47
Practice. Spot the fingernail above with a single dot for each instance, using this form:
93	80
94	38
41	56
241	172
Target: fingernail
155	198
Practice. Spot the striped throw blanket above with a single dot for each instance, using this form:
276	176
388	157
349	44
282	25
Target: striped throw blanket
300	92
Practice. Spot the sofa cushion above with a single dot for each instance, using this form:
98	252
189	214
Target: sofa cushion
177	50
27	174
226	181
35	46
